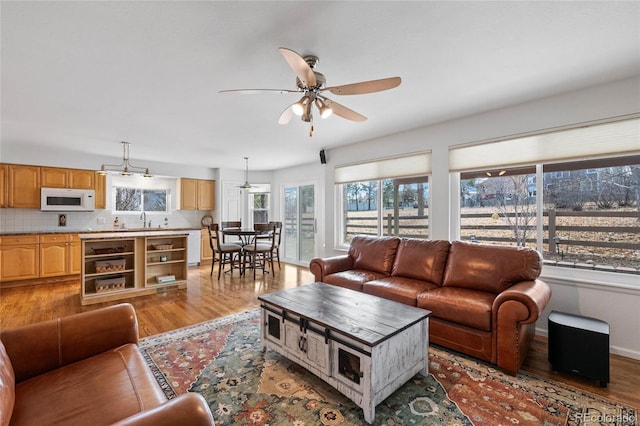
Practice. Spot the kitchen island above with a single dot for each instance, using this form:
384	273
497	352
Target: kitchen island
122	264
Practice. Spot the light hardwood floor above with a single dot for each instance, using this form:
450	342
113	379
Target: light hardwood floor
207	298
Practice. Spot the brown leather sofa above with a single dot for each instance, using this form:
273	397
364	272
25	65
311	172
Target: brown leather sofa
484	299
86	369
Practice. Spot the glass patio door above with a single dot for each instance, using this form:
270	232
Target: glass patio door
299	223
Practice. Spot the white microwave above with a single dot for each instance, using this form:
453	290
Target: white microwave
67	200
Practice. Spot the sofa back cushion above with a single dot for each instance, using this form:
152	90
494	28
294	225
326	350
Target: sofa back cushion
421	259
7	387
490	268
375	254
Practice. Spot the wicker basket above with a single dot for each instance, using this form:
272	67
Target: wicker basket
110	284
108	250
162	246
112	265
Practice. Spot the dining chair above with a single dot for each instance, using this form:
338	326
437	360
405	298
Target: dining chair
277	240
260	250
231	224
228	254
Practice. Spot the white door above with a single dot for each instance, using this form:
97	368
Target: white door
231	201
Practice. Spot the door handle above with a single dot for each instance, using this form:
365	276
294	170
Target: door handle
302	344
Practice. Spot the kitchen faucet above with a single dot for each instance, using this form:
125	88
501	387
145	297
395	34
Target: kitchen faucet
143	216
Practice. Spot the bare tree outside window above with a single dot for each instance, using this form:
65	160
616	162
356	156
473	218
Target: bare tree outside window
590	217
139	200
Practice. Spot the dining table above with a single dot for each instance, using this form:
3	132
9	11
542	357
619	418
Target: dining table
244	234
246	237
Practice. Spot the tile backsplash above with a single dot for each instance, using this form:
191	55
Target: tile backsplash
32	220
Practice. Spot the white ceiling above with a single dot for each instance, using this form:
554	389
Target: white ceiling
86	75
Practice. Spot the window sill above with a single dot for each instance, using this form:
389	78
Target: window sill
591	278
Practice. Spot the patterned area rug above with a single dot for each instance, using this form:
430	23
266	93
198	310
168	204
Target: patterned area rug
222	361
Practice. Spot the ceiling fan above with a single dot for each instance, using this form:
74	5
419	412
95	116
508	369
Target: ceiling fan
311	84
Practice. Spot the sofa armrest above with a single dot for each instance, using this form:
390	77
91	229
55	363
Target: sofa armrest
534	295
515	312
321	267
186	409
38	348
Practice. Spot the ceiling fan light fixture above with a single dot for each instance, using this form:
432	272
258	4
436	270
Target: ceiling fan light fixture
308	113
300	106
325	111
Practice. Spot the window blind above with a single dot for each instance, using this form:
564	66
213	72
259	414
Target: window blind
397	167
598	140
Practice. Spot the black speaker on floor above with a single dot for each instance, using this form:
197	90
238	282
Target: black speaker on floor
579	345
323	157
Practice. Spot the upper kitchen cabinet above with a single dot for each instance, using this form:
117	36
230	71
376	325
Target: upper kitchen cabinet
55	177
197	194
101	191
23	186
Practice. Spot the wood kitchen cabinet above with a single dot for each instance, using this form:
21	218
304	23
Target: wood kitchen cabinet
206	253
19	257
4	187
23	186
101	191
197	194
56	177
75	254
60	254
123	267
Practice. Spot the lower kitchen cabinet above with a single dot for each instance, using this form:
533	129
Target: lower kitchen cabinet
206	252
19	257
59	255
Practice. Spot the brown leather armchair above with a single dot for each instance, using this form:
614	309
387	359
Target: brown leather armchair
86	369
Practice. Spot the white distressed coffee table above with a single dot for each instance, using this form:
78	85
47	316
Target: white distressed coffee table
364	346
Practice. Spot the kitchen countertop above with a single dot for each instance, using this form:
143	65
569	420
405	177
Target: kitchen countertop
109	233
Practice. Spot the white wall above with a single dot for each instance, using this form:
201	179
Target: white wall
611	297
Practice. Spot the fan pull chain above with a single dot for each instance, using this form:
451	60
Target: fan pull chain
311	127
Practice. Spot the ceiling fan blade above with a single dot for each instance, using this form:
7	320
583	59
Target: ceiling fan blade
365	86
343	111
300	67
286	115
258	91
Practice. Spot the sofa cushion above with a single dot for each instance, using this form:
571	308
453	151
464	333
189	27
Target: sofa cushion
400	289
459	305
7	385
421	259
352	279
99	390
490	268
375	254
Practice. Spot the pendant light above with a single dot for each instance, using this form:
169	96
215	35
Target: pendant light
125	168
246	184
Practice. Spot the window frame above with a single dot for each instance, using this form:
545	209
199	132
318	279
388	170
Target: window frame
136	182
544	165
340	215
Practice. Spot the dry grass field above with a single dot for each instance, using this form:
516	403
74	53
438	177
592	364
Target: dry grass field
491	226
